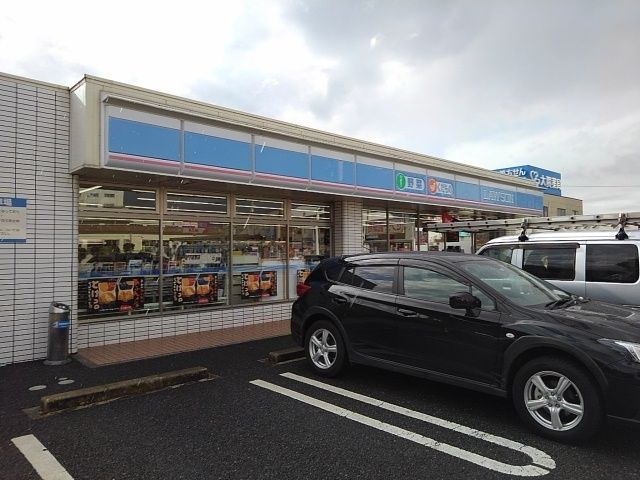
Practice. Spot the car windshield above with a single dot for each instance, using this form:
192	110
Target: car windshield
519	286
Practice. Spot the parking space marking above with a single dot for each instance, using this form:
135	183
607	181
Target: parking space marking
489	463
537	456
40	458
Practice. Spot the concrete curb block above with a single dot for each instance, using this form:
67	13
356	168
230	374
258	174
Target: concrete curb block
285	355
124	388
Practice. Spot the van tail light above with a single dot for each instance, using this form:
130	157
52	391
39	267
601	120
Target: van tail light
302	288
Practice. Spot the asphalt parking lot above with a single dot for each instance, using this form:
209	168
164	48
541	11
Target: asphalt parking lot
256	420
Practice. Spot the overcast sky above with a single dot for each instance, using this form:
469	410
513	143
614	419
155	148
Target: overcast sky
555	84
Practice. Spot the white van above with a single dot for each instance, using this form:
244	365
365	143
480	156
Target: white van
591	264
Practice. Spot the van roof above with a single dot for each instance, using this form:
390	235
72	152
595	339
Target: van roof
572	236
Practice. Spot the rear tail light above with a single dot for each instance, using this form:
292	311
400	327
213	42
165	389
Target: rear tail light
302	288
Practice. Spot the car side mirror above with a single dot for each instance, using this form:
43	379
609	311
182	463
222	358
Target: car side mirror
464	300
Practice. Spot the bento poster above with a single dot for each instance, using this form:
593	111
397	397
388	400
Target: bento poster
195	289
301	275
116	294
259	284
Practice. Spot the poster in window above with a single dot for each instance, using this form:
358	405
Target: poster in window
195	289
301	275
259	284
116	294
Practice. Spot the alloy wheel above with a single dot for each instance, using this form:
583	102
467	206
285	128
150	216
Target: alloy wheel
323	349
554	401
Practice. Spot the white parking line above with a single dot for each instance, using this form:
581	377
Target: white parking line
44	463
540	459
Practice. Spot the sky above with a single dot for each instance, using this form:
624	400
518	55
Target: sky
554	84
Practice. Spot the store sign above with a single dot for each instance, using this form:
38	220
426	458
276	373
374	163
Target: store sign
497	196
410	183
13	220
259	284
116	294
195	289
548	181
440	187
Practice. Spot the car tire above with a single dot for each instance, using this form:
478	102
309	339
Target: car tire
557	398
324	349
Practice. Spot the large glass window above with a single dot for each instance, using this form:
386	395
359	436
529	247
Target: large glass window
402	231
310	212
262	208
119	266
99	197
612	263
307	246
374	225
551	263
259	257
184	202
196	264
204	259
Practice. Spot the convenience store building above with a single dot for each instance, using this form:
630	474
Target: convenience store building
156	216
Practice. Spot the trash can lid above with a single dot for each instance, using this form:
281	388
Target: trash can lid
57	307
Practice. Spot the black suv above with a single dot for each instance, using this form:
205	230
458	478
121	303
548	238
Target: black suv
475	322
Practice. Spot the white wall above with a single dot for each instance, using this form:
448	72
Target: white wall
34	164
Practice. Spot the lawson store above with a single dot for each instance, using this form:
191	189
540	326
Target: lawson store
154	216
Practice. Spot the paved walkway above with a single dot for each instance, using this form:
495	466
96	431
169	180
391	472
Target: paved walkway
157	347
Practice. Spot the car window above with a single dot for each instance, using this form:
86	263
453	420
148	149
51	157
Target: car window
519	286
425	284
612	263
370	277
504	254
550	263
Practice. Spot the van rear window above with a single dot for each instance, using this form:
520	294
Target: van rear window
612	263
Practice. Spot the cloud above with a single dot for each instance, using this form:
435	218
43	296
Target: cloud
492	83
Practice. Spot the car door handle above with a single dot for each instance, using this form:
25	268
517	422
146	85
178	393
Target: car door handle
340	300
407	312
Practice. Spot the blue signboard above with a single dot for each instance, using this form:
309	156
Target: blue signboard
548	181
441	187
409	182
152	148
497	196
13	220
332	170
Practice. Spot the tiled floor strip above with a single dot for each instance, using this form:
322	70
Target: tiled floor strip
156	347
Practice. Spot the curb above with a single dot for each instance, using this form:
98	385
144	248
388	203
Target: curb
293	353
124	388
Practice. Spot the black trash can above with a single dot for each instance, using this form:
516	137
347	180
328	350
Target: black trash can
58	342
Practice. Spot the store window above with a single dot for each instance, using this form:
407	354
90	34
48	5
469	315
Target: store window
264	208
196	264
310	212
259	260
187	203
402	231
99	197
374	225
119	267
307	246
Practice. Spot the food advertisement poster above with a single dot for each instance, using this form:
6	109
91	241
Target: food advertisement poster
116	294
195	289
259	284
301	275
